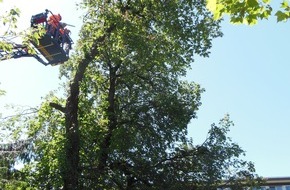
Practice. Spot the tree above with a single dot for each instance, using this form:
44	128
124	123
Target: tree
215	163
248	11
12	149
9	21
123	122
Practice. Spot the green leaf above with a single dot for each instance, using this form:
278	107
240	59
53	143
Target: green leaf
211	5
266	1
2	92
252	3
281	16
218	11
284	4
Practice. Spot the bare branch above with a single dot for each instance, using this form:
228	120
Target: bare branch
23	113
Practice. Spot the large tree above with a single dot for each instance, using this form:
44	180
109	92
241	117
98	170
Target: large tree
134	52
122	123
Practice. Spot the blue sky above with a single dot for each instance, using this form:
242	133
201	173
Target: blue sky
246	76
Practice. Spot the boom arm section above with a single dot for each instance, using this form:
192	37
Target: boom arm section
19	51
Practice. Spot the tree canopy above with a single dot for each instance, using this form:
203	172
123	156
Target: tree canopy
248	11
122	123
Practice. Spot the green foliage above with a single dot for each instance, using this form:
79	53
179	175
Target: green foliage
215	161
9	22
13	147
10	19
32	35
46	153
283	15
245	11
2	92
132	108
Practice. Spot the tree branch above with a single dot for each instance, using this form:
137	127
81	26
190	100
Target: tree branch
71	170
57	106
23	113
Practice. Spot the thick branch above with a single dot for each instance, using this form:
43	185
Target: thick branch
72	148
105	145
57	106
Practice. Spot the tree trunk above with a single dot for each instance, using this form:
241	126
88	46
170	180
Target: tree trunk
72	147
71	170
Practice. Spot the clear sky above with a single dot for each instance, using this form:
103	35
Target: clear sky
246	76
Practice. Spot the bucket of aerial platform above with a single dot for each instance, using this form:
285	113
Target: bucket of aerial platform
53	47
51	50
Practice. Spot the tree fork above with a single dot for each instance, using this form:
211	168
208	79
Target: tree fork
70	172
